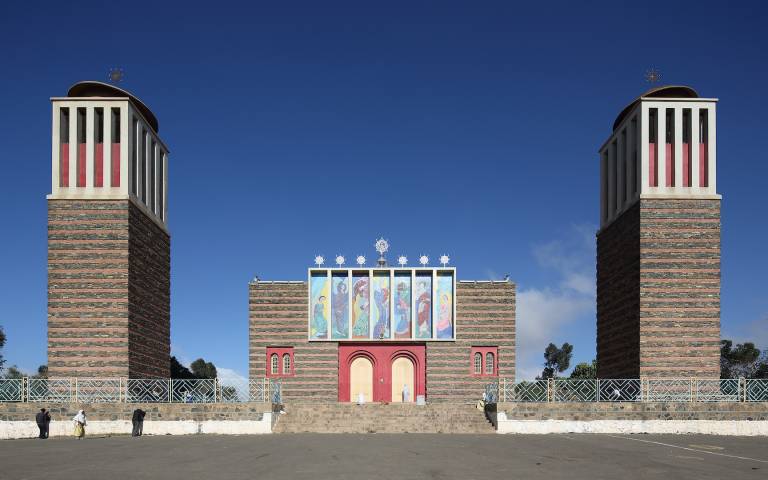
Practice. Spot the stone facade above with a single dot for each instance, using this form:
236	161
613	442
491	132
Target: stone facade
658	290
485	316
108	291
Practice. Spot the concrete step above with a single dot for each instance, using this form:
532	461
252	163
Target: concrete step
382	418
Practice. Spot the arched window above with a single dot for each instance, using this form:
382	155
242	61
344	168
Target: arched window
286	364
489	363
478	363
273	362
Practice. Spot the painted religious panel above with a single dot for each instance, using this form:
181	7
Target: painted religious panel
360	305
320	306
340	305
402	299
380	306
444	312
423	304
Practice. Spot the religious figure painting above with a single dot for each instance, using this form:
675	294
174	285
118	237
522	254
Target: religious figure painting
321	306
340	306
360	306
423	312
402	320
380	307
444	296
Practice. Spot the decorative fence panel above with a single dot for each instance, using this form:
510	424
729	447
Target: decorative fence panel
132	390
566	390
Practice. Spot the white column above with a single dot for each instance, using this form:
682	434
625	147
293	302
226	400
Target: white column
712	150
165	189
603	188
661	147
642	176
611	179
90	134
678	149
55	148
628	153
694	149
107	146
620	169
140	152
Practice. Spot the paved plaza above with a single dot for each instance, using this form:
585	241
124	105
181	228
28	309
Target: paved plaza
403	456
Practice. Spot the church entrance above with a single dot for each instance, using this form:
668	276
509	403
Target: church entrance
382	373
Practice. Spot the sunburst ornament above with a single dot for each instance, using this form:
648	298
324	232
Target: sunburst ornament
444	259
319	260
360	260
424	260
115	75
340	260
382	246
402	260
652	75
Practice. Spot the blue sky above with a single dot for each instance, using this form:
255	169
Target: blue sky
469	129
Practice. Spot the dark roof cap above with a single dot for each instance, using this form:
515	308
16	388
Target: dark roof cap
91	88
666	91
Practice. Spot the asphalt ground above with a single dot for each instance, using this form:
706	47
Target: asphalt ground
379	456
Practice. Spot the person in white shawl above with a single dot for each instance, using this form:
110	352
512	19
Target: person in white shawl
80	422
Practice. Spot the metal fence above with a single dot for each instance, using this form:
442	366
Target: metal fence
133	390
630	390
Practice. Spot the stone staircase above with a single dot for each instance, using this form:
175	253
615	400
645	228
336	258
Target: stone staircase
382	418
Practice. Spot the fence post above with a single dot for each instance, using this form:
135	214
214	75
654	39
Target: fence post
265	390
217	390
597	389
503	393
170	390
742	389
643	389
76	392
24	389
694	391
550	389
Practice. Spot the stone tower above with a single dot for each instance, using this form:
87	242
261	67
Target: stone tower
658	247
108	242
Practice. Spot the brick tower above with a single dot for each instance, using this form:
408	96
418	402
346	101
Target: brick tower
108	243
658	247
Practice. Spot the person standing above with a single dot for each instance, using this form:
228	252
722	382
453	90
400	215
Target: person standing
80	424
138	422
43	419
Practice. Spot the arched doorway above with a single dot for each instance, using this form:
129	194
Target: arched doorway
361	379
403	379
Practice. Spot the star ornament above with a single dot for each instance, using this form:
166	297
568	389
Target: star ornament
444	259
402	260
116	75
424	260
382	246
652	75
340	260
319	260
360	260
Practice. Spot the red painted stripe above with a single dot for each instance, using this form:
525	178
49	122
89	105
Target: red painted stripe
703	166
653	180
64	165
115	164
670	160
686	164
80	164
98	162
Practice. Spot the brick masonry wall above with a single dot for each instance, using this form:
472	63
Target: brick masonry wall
278	318
680	288
485	317
108	287
124	411
618	297
149	294
87	288
635	411
658	291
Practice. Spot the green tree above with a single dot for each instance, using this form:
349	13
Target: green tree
202	369
585	370
738	361
179	371
42	372
556	360
14	372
